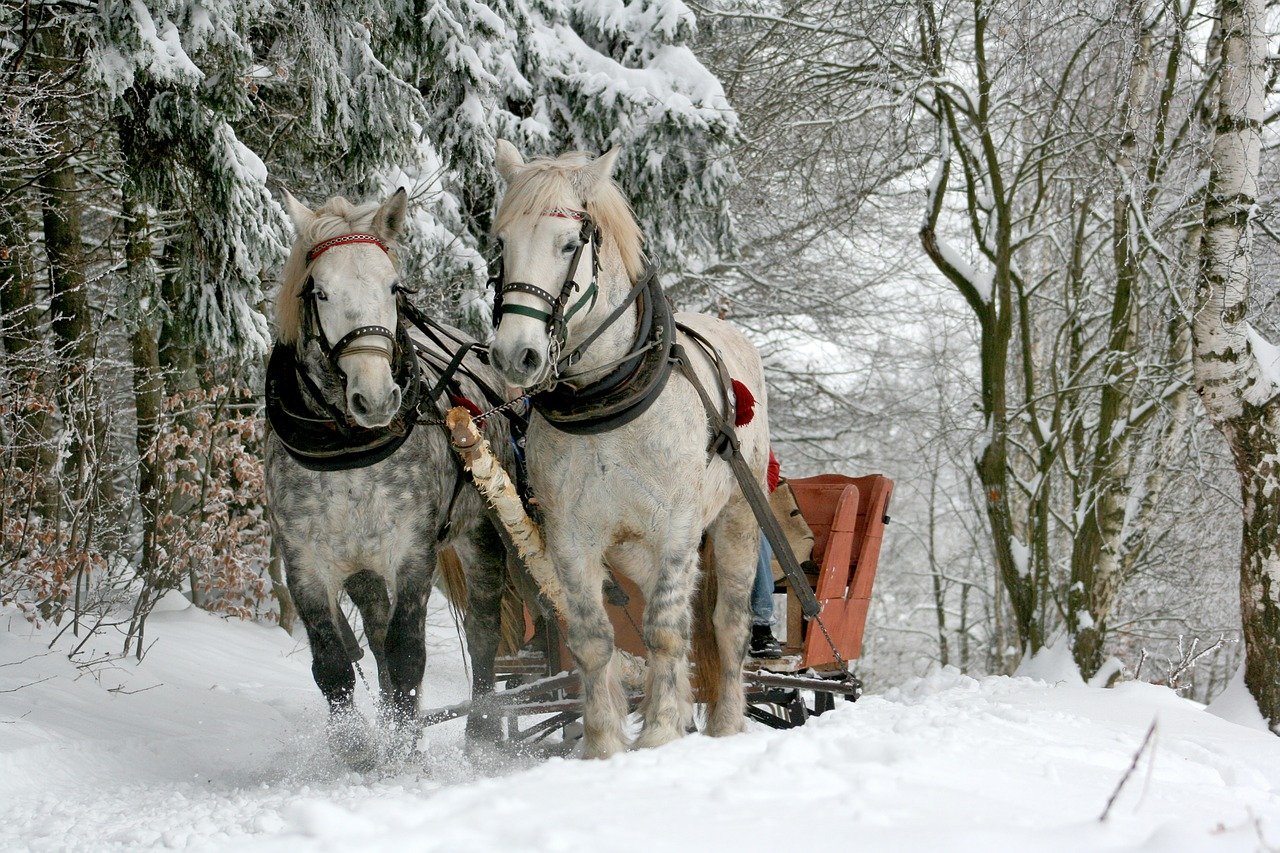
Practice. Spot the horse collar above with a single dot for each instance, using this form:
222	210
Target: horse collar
326	440
632	386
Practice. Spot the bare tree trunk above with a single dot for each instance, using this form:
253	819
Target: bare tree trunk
148	381
1238	391
1095	560
935	573
21	335
994	312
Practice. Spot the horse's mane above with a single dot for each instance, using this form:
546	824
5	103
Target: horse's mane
547	183
335	217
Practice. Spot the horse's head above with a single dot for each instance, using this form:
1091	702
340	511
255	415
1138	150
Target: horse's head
340	296
549	215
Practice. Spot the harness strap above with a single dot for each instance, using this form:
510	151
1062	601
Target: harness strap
437	333
718	439
576	354
731	451
446	375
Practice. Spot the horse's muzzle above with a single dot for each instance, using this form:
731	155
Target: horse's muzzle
521	365
373	413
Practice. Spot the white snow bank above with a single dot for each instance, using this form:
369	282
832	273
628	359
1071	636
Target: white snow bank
1053	665
1237	704
223	752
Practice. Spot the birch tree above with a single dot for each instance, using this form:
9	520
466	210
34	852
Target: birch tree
1056	148
1237	372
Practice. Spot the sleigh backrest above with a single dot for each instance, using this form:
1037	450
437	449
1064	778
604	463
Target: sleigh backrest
847	516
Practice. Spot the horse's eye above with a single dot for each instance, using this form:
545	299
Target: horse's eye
322	296
570	248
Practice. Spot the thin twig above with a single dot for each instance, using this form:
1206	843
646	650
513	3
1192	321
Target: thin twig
28	684
1137	756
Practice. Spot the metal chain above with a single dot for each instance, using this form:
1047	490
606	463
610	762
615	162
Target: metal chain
840	661
510	404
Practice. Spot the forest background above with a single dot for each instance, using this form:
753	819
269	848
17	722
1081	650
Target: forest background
966	236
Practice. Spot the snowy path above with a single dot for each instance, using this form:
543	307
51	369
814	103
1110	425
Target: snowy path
224	751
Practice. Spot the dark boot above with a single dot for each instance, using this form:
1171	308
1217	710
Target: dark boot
763	644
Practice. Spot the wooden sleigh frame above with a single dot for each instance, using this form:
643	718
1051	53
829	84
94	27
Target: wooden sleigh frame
846	515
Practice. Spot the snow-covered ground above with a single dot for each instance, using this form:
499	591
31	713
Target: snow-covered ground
214	741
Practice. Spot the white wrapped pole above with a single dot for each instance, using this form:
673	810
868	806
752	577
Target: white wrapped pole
496	487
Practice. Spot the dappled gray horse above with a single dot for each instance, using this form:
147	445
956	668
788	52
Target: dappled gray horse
361	500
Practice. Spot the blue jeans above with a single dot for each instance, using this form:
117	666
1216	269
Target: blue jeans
762	591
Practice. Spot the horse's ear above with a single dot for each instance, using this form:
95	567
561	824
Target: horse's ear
298	212
388	222
507	159
597	171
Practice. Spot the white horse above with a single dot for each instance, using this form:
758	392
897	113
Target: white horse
638	497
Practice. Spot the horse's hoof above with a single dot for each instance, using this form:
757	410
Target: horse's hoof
717	728
488	752
352	741
402	739
483	728
602	747
651	738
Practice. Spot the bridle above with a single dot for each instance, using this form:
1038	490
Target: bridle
561	312
346	345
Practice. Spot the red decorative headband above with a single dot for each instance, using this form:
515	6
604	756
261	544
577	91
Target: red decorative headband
564	213
346	239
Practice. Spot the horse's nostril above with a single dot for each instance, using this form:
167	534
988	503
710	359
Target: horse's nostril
393	402
530	358
359	404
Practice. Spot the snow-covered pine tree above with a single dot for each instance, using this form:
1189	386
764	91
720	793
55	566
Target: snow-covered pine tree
176	78
361	98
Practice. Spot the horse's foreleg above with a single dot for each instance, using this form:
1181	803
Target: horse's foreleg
331	668
369	592
668	702
330	664
590	639
486	575
406	636
735	540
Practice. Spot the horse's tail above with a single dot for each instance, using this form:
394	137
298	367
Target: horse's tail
452	580
706	652
511	625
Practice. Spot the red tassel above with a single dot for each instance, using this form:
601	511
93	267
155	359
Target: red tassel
743	403
472	408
